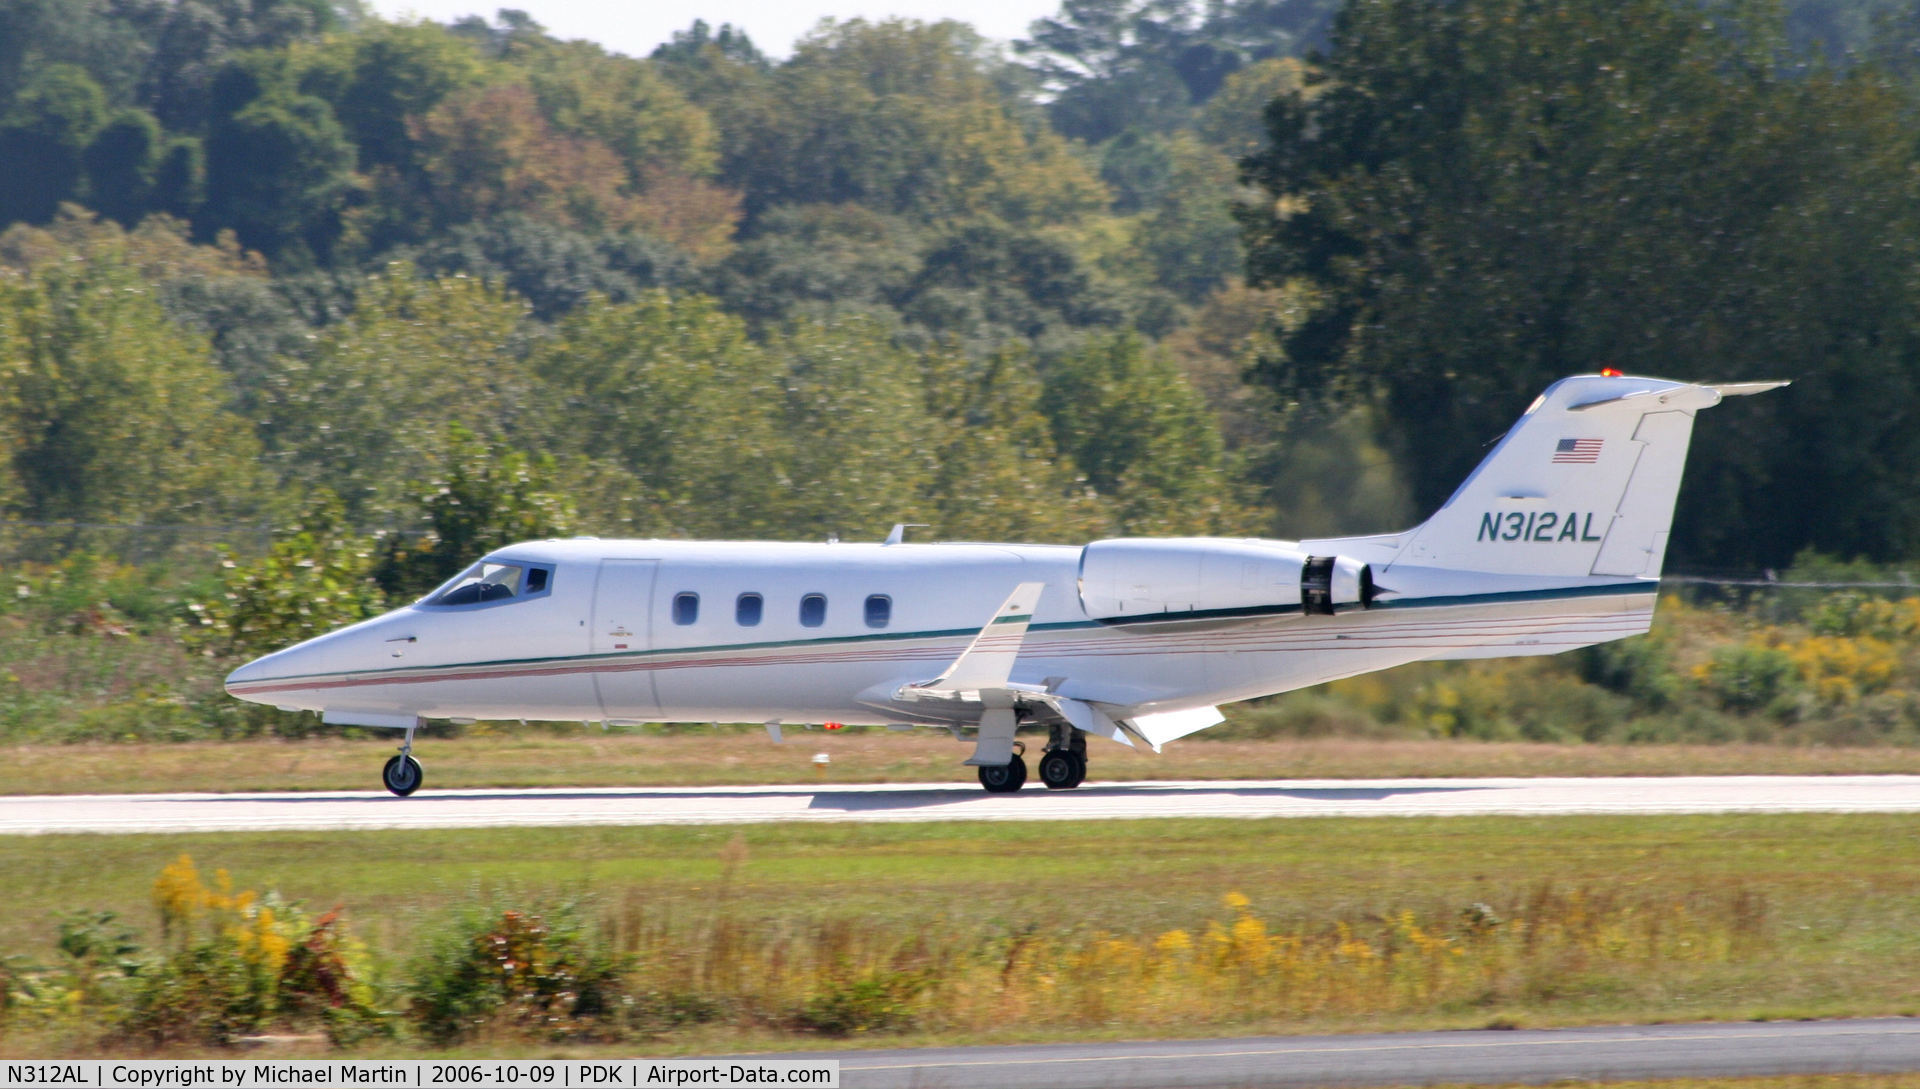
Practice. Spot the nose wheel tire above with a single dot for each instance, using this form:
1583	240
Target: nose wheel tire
1004	778
1062	769
402	775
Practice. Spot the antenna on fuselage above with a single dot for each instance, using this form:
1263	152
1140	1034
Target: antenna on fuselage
899	533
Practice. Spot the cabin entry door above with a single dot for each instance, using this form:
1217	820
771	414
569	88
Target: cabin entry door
622	627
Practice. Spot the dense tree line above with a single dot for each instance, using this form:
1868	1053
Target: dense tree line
274	260
1477	197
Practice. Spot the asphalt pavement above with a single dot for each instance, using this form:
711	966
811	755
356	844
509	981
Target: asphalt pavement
1485	1057
490	808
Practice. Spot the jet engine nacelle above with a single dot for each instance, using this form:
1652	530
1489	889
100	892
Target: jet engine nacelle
1130	578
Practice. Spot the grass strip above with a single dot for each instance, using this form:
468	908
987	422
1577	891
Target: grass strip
731	756
786	936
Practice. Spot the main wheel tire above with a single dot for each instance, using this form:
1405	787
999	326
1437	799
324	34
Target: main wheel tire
1079	769
1060	771
1004	778
402	775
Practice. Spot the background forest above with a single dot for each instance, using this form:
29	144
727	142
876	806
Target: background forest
300	309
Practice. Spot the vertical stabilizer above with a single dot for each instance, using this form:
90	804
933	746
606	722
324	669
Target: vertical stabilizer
1584	484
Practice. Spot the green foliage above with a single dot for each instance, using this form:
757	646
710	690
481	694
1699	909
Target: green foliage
1188	236
101	953
318	576
879	1001
378	79
366	408
1110	65
544	977
625	105
112	413
990	282
120	164
900	117
1751	677
553	268
279	173
997	474
203	996
492	496
852	422
1851	613
1142	436
323	979
1641	669
42	141
1485	196
675	394
239	962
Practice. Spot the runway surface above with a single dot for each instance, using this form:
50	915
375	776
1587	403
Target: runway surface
1415	1058
949	802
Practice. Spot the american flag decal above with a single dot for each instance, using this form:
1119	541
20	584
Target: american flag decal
1577	452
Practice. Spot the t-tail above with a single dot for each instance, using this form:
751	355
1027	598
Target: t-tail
1576	500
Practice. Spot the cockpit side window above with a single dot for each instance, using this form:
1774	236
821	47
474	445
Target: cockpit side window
492	582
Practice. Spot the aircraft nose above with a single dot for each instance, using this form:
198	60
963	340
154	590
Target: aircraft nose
252	671
255	681
239	684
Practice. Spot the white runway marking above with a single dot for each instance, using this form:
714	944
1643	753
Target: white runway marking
494	808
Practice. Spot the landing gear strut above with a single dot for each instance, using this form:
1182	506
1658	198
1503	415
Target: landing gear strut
403	775
1065	764
1008	777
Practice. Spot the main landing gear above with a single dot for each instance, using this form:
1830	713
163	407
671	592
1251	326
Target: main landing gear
1062	767
1008	777
1065	764
402	775
1062	770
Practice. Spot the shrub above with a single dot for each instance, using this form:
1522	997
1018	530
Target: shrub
1840	670
515	972
320	981
1640	668
1852	612
1750	676
877	1001
205	995
240	959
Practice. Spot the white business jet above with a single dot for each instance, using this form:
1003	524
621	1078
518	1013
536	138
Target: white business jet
1554	542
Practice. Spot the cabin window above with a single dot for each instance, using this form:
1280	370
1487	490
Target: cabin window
746	610
813	610
879	610
686	607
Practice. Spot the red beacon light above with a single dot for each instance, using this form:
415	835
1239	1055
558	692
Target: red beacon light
1610	372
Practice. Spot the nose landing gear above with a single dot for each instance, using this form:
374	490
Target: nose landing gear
402	774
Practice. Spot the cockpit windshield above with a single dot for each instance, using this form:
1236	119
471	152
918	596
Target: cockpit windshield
485	581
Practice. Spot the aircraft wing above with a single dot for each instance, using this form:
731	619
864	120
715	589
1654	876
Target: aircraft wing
978	688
